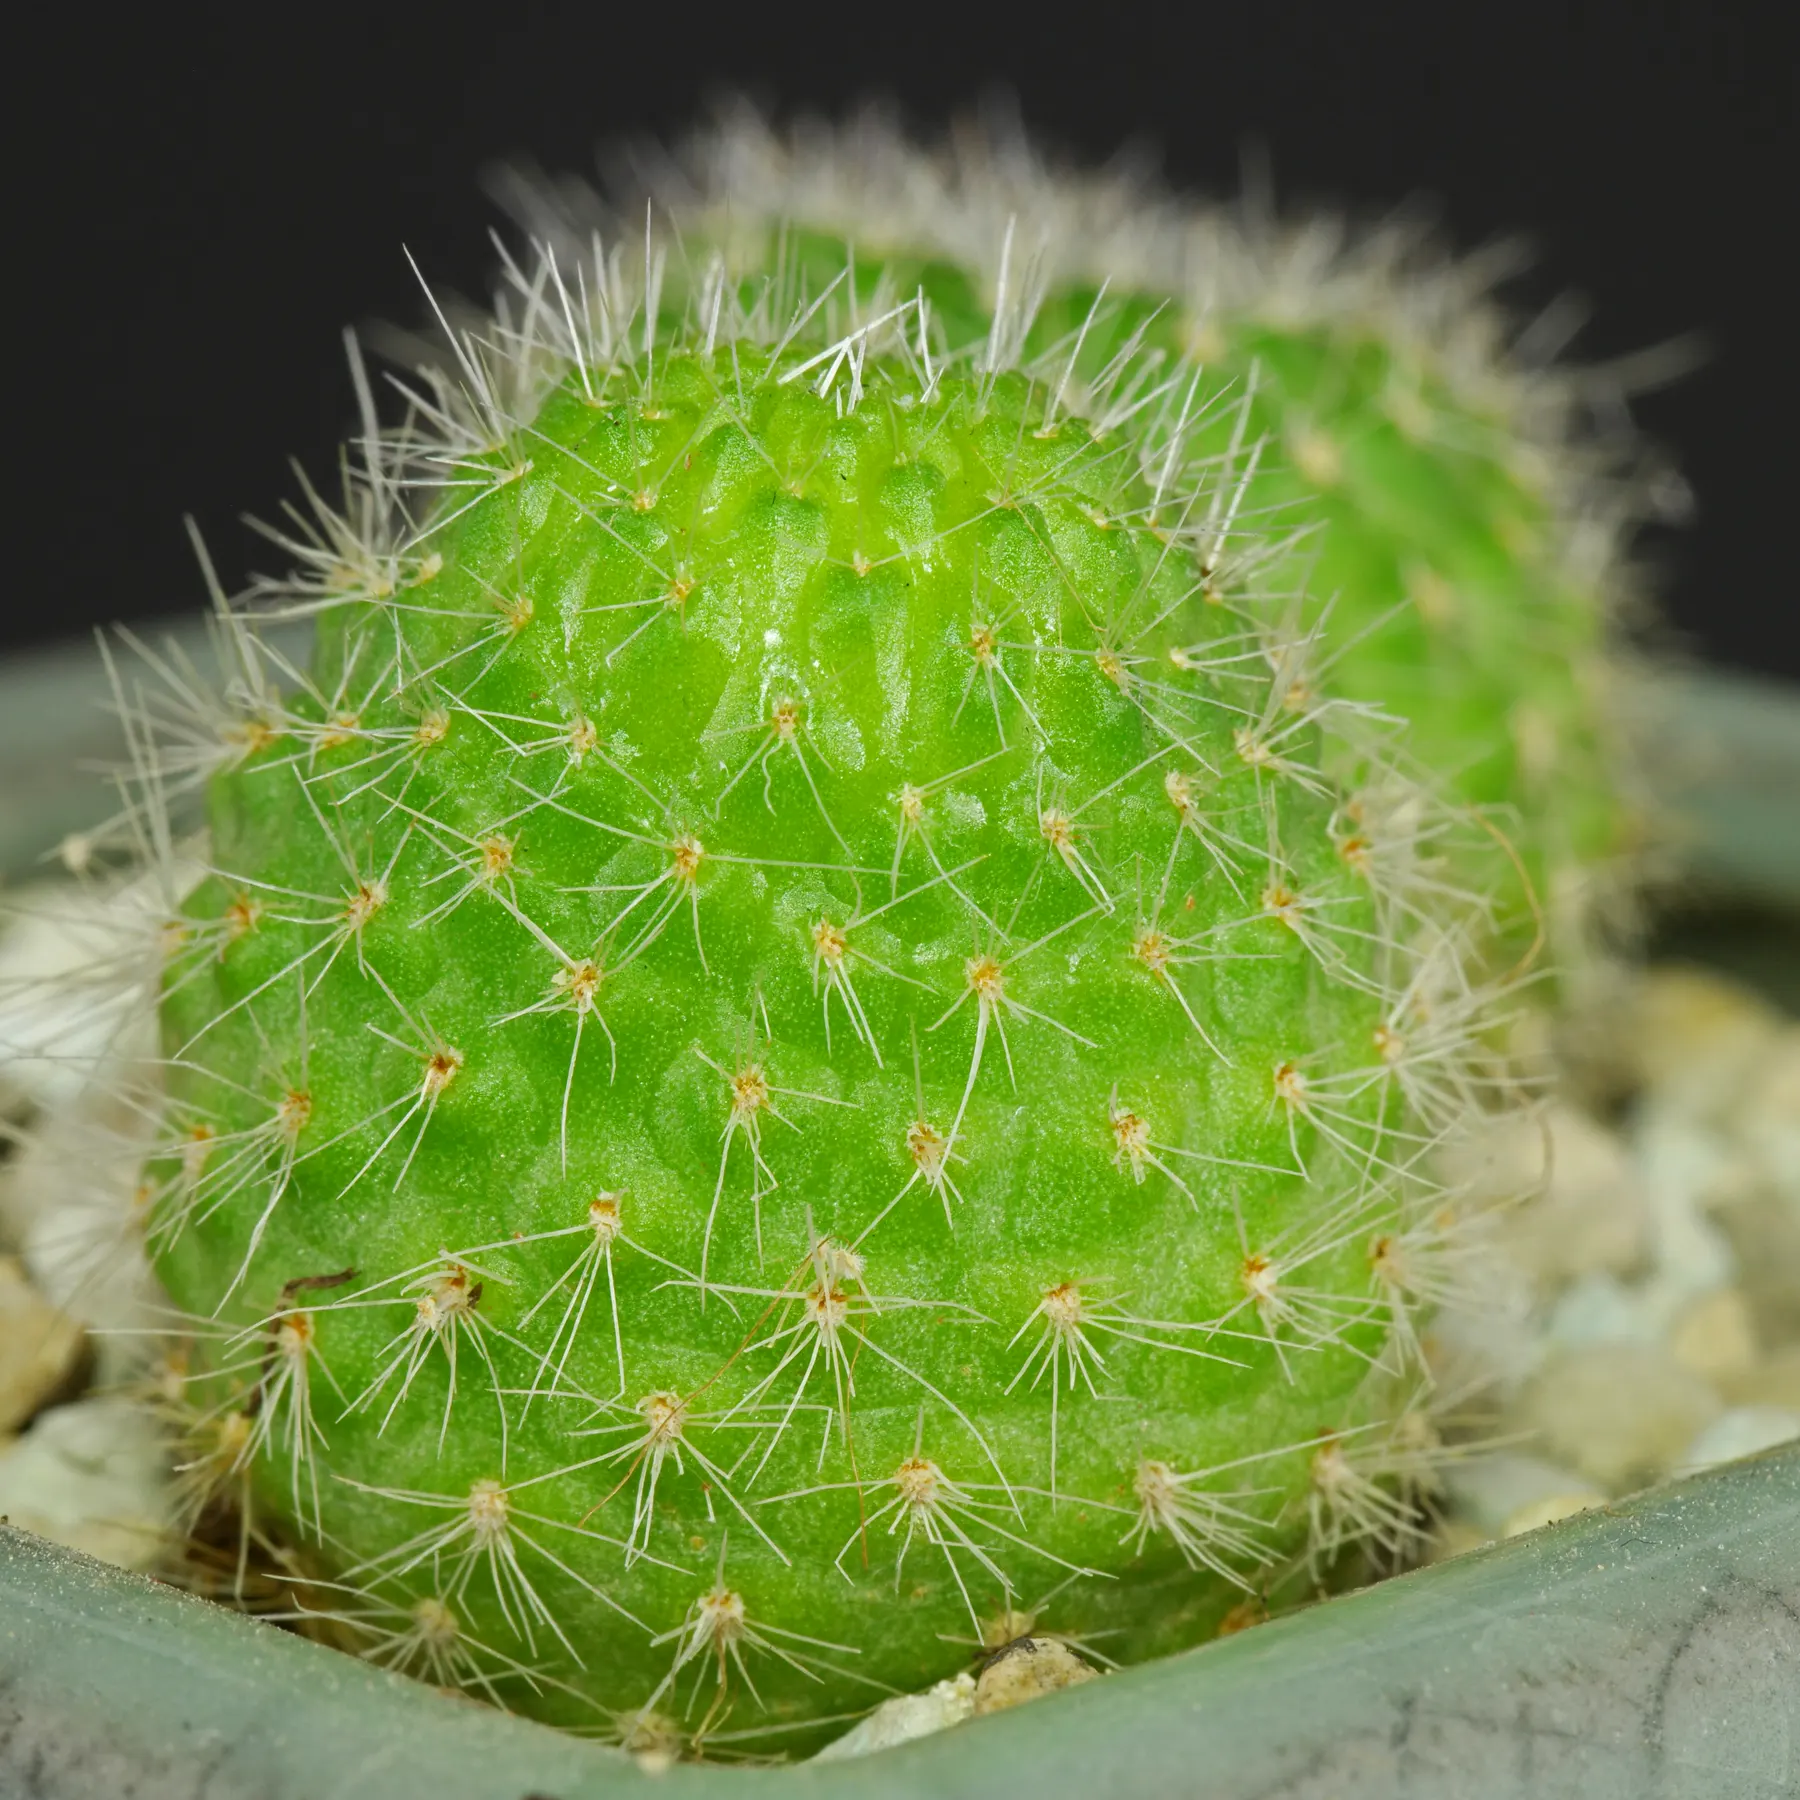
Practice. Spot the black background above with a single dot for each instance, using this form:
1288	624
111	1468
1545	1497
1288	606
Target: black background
203	199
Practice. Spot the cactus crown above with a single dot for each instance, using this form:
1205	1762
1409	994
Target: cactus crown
810	1031
1459	498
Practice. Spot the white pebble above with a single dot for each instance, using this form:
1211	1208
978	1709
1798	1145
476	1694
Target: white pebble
94	1476
1494	1491
38	1347
1743	1431
905	1717
1549	1510
1584	1209
1620	1415
1697	1039
74	967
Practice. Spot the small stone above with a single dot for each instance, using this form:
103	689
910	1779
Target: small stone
11	1214
1767	1120
1620	1415
1598	1308
1744	1431
1715	1338
1680	1170
1455	1537
1583	1210
1774	1381
1489	1492
92	1475
1027	1669
54	1021
1472	1349
40	1347
1697	1038
1688	1255
1764	1234
74	1201
905	1717
1548	1510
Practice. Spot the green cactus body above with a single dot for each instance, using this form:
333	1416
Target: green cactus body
788	1049
1440	513
1438	567
1437	583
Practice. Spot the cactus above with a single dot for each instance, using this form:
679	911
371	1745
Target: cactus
1441	497
813	1035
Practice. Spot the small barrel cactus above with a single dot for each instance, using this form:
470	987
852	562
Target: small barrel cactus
813	1034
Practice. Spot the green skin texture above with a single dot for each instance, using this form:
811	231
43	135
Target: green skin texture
1448	602
766	500
1434	539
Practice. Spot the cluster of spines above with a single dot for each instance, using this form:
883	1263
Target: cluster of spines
1366	1126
